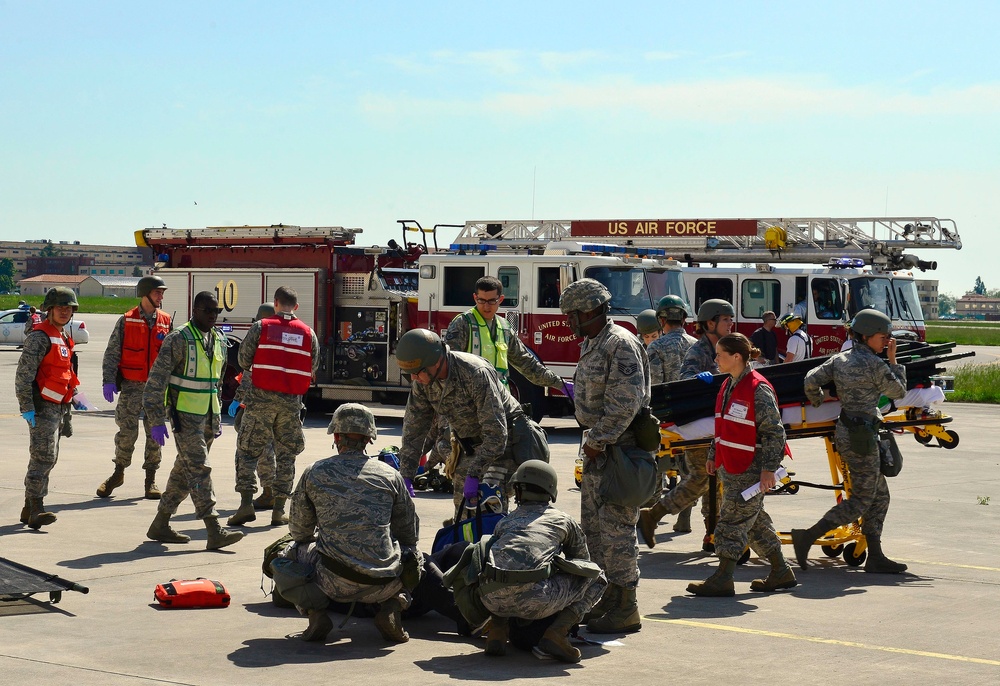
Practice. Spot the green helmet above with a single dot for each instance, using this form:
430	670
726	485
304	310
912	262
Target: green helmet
418	349
264	311
646	322
672	308
60	295
710	309
583	296
147	285
870	322
353	418
539	474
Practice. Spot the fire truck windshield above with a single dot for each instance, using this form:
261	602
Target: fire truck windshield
872	291
634	290
908	300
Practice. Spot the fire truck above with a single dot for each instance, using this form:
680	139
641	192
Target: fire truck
360	299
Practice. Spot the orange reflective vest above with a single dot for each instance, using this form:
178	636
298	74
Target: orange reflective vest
736	424
283	360
55	377
141	344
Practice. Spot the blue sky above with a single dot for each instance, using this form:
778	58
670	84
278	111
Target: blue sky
120	116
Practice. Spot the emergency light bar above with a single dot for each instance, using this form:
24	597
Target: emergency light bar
473	247
845	262
624	250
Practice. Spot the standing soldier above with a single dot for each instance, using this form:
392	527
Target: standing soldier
492	431
132	348
648	327
44	385
666	354
715	320
185	379
282	353
611	387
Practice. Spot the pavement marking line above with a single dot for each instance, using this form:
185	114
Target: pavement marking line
829	641
952	564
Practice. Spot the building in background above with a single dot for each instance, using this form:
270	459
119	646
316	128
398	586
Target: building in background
927	291
37	257
975	306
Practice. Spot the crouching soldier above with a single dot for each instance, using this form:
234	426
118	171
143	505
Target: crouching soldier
355	530
538	566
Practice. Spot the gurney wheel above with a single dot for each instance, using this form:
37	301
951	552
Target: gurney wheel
833	550
923	438
849	555
949	445
792	488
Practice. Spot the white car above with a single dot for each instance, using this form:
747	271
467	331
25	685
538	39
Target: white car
12	328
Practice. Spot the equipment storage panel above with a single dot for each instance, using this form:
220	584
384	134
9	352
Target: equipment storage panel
362	344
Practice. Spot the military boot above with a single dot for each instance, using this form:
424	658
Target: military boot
320	626
116	479
245	513
25	511
623	618
648	519
877	562
608	600
278	516
389	620
803	539
720	584
555	640
496	639
265	501
219	537
152	490
160	530
37	516
683	523
780	577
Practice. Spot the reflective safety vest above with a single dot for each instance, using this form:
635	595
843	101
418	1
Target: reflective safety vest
736	424
55	377
483	344
283	359
199	384
141	344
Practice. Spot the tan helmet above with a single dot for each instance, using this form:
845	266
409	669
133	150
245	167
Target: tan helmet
539	474
353	418
60	295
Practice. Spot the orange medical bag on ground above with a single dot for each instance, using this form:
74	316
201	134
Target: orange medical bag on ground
191	593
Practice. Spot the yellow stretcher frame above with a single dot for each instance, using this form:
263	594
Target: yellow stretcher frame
846	540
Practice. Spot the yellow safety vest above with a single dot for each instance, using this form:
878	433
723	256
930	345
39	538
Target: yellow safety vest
199	383
482	343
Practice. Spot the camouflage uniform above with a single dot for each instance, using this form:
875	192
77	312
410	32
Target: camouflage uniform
193	434
518	356
700	358
270	418
742	523
666	354
360	514
128	411
861	378
612	384
52	420
479	409
265	463
528	538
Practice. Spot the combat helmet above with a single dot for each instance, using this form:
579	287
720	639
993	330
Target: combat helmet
716	307
869	322
60	295
353	418
147	285
418	349
583	296
672	308
539	474
264	311
646	322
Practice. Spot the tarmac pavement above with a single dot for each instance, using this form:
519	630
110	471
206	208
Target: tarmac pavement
937	623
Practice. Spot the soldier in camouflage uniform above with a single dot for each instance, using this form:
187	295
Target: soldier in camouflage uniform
611	387
519	579
666	354
45	384
715	320
353	523
861	377
647	327
188	373
130	353
465	391
272	416
748	448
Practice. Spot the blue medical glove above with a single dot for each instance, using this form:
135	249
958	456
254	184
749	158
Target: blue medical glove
409	487
160	435
234	407
568	390
704	376
109	391
471	488
29	417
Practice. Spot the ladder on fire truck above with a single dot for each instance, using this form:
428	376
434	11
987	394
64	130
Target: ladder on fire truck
243	235
879	241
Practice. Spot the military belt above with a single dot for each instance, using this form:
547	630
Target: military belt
515	576
354	575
